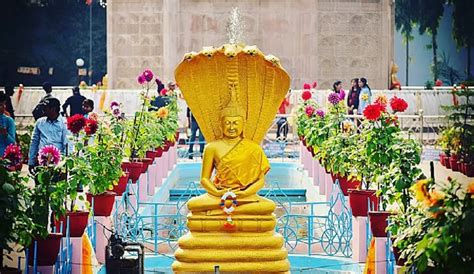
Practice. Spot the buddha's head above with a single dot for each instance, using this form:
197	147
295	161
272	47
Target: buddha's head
233	117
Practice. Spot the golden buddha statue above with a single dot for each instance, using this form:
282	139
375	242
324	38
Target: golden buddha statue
394	82
233	92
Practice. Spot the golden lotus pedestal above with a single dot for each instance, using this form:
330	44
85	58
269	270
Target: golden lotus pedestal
252	246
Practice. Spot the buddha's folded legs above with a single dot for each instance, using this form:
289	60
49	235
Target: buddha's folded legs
251	205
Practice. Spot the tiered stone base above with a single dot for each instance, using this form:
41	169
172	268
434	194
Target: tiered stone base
252	247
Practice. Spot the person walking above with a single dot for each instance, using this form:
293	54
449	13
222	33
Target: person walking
49	130
193	125
9	91
282	122
7	126
38	112
74	103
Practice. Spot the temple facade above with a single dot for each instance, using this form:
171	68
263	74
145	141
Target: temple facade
316	40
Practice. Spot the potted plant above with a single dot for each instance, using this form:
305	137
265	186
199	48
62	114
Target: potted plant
104	157
17	226
437	233
46	177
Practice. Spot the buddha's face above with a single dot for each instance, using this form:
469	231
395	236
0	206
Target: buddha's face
232	126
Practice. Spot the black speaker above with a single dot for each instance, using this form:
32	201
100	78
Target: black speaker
124	257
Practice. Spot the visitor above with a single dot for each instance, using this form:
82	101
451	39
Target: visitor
194	127
38	111
7	126
88	109
9	91
337	87
74	103
365	95
353	96
49	130
160	100
282	123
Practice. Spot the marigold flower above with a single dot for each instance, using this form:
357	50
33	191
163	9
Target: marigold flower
373	111
470	188
49	155
306	95
435	197
420	189
364	97
398	104
162	112
381	99
76	123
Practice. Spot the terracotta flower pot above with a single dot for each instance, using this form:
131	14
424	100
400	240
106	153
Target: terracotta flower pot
77	223
453	162
469	170
159	151
345	183
447	163
150	154
358	200
462	167
103	203
47	250
441	159
120	188
134	169
166	146
146	162
397	253
378	222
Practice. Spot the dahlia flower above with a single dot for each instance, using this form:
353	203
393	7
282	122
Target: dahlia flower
398	104
49	155
91	127
76	123
148	75
334	98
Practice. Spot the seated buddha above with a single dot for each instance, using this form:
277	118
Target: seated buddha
233	92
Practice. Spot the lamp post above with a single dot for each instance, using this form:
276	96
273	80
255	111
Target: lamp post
79	64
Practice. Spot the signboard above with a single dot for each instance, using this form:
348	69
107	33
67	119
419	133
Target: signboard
29	70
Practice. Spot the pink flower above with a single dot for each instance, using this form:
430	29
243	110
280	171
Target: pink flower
315	84
49	155
141	79
163	92
306	95
334	98
309	110
320	113
438	83
13	154
148	75
306	86
116	112
114	104
342	94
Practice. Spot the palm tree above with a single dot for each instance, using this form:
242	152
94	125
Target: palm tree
463	32
405	19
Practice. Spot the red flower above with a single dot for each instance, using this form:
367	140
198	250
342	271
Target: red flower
306	95
373	111
306	86
438	83
315	84
463	86
76	123
163	92
91	127
398	104
309	111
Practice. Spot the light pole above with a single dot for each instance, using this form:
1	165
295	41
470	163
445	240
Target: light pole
79	64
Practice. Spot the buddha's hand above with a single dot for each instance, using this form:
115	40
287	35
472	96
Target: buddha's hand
242	193
218	192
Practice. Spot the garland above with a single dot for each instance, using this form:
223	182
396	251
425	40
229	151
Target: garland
229	195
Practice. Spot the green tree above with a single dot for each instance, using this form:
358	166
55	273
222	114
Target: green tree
463	30
405	19
429	16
